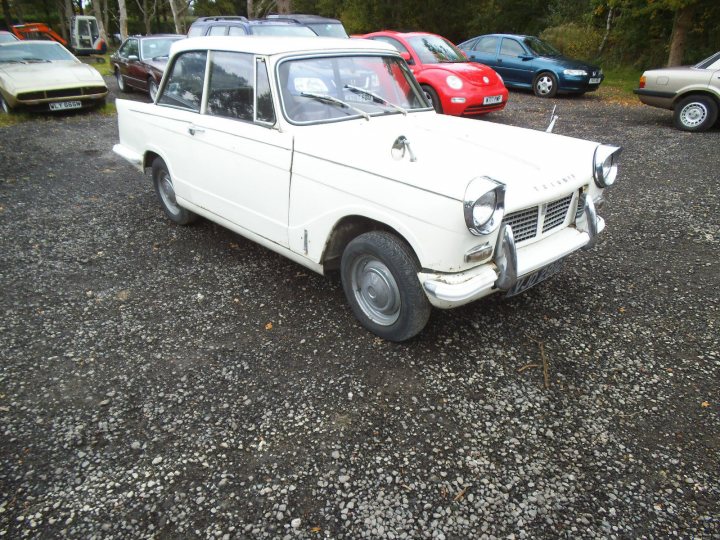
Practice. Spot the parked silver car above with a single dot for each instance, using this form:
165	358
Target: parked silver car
692	92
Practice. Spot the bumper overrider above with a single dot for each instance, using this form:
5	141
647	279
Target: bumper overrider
510	264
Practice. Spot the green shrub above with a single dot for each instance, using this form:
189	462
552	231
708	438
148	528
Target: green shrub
574	40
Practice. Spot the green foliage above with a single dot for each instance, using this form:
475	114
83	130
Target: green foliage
574	40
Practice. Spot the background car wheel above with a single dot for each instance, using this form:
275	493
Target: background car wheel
433	98
4	107
121	82
545	85
695	113
379	277
166	193
152	88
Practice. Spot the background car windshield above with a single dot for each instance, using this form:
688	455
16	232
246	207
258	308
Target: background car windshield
386	76
329	30
154	48
34	51
282	30
710	63
435	50
541	48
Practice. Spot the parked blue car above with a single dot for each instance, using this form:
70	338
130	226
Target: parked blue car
529	62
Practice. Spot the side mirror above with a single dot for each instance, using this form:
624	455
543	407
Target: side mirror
133	57
406	56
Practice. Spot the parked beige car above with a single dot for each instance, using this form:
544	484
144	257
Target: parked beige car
692	92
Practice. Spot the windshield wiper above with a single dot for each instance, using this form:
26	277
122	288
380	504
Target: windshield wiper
375	97
324	98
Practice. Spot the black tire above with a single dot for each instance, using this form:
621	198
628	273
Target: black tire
695	113
152	88
545	85
166	194
433	98
4	107
122	85
379	277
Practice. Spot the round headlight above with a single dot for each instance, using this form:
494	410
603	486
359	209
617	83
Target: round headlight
483	209
454	82
484	205
605	165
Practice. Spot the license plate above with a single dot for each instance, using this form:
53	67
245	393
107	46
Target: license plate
530	280
595	80
65	105
491	100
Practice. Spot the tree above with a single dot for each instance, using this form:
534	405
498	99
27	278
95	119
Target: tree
148	12
123	19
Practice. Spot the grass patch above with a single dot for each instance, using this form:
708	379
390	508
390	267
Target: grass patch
108	109
7	120
101	62
619	84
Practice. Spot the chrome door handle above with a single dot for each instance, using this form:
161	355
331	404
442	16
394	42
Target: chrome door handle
192	130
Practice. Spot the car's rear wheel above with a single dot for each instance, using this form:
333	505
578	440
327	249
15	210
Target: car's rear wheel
152	88
379	277
433	98
545	85
695	113
166	193
122	85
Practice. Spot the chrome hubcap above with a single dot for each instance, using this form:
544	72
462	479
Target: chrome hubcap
544	85
376	291
693	114
119	80
153	90
167	192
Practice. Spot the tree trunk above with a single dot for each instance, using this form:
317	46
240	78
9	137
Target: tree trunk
608	26
123	20
106	16
250	9
6	14
97	10
283	6
176	13
681	28
66	31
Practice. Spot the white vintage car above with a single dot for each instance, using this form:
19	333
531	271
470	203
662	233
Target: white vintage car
327	152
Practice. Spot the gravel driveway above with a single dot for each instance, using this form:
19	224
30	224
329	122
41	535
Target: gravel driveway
173	382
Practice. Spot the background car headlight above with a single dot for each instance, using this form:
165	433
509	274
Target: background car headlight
605	164
484	205
575	72
454	82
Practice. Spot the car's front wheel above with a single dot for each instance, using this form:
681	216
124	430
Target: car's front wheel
545	85
433	98
166	193
4	107
379	277
122	85
152	88
695	113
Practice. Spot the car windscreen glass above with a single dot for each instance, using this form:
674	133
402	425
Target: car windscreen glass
435	50
540	47
327	89
329	30
710	63
184	86
156	48
282	30
35	52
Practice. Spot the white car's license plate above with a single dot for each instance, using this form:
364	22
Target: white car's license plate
530	280
491	100
595	80
64	105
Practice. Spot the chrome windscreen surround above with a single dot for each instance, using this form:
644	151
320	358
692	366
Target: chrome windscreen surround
605	176
475	190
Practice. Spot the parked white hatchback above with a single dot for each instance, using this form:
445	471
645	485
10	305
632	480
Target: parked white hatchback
327	152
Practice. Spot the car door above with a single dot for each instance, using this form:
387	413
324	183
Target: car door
235	164
515	62
484	51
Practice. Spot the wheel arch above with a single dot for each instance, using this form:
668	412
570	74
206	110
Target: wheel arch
696	92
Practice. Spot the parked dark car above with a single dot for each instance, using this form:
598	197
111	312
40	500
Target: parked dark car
140	61
322	26
242	26
529	62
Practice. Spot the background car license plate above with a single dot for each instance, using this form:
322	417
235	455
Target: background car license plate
532	279
490	100
63	105
595	80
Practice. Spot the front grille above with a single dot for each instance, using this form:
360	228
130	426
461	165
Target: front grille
526	223
62	93
27	96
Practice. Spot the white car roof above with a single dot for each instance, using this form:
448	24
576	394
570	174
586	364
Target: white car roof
272	45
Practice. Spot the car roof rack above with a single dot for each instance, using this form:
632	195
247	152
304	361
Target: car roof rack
225	18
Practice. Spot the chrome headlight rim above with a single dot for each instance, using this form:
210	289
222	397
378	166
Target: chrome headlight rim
477	189
605	165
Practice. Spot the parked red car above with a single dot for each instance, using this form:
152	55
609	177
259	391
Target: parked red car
451	82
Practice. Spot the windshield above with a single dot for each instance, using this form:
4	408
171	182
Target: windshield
540	47
154	48
281	30
710	63
34	51
7	37
329	30
336	88
435	50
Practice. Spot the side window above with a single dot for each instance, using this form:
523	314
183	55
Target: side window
217	31
394	42
128	48
237	31
231	91
486	45
510	47
184	86
265	109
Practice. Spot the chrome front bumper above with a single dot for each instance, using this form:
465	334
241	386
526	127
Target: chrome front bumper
511	263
